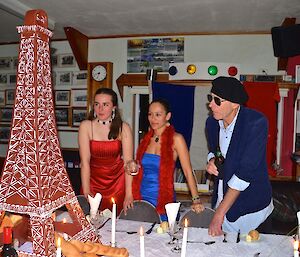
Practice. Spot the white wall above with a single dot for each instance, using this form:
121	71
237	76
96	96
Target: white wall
252	52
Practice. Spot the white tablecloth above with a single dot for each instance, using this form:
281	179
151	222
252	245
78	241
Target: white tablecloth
156	244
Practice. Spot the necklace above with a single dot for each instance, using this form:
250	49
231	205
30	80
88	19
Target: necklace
104	122
156	138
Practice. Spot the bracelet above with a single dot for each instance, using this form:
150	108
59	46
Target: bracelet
195	198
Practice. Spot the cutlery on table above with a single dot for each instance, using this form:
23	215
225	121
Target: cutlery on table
151	228
102	225
225	240
256	255
238	239
202	242
124	231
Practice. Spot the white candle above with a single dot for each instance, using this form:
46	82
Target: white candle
184	239
142	242
65	235
298	216
58	250
296	247
113	223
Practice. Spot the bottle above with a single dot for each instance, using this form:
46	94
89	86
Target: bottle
219	161
8	249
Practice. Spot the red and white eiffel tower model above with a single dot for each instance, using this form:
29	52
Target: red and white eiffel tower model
34	180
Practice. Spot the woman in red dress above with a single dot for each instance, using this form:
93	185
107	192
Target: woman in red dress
105	143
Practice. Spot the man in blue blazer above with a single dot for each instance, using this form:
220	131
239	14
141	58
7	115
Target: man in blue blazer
242	193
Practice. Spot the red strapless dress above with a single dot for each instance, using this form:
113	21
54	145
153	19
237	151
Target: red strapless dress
107	172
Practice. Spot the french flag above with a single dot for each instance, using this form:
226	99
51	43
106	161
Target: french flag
189	112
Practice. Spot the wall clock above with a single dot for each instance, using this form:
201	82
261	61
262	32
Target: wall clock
99	75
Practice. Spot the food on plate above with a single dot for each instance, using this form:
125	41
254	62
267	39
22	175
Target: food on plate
253	235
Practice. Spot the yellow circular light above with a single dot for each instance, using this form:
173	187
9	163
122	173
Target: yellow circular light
191	69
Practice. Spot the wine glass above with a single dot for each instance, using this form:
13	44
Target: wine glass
132	167
175	232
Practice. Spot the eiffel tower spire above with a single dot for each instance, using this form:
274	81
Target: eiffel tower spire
34	180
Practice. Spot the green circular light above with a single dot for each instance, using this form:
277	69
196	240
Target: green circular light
212	70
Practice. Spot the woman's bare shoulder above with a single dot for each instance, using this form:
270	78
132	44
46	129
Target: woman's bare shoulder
85	125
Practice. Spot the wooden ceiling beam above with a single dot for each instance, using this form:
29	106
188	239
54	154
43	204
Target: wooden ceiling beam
79	45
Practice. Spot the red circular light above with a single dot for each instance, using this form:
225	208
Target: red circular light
232	70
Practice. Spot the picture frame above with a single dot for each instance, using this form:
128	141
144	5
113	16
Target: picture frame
6	114
66	60
3	78
54	60
10	96
2	97
62	116
5	63
64	78
79	97
4	134
12	78
62	97
80	78
78	115
15	62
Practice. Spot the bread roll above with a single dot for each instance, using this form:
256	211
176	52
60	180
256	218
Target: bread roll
254	234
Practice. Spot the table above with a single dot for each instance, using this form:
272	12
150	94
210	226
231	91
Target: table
156	244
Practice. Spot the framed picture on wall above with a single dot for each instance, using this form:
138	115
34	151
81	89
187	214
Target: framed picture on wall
12	78
2	97
5	63
3	78
66	60
6	114
10	96
62	116
78	115
54	60
79	97
62	97
80	78
63	78
4	133
15	62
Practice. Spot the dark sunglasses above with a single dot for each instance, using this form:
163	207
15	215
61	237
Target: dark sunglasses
216	99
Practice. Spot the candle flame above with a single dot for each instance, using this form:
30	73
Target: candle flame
185	223
64	220
141	231
58	242
296	245
113	200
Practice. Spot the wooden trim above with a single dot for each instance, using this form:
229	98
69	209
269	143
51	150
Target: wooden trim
141	80
79	45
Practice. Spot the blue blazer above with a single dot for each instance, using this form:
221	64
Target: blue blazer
246	158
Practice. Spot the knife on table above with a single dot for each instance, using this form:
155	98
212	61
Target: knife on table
238	239
151	228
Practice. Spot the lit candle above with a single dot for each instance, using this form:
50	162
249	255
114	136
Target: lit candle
142	242
296	247
113	223
58	250
184	238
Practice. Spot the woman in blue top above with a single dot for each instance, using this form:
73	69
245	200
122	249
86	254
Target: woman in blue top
157	153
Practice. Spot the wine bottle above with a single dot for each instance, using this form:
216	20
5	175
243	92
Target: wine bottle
8	249
219	162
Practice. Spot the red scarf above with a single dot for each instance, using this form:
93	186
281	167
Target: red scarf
166	169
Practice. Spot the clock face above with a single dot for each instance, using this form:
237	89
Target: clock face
99	73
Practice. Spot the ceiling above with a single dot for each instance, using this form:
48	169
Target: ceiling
102	18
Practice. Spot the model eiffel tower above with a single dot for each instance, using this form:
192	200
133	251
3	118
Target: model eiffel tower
34	181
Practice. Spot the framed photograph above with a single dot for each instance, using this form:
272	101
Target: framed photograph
62	97
3	78
54	60
79	97
80	78
4	134
2	97
12	78
64	78
5	63
15	62
78	115
66	60
6	114
62	116
10	96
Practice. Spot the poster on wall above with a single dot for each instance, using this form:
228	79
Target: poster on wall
155	53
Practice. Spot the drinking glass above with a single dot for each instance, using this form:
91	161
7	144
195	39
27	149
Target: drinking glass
175	232
132	167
